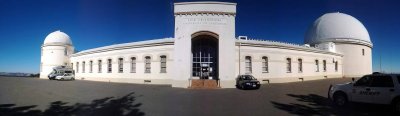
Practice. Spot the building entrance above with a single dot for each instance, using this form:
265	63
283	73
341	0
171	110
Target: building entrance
205	56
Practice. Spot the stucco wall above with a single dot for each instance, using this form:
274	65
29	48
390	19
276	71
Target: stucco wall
126	76
277	71
53	56
215	22
355	63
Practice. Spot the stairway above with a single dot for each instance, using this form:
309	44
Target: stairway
204	84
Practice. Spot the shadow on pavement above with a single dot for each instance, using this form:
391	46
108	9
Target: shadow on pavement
108	106
318	105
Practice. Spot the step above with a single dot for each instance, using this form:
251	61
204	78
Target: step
203	83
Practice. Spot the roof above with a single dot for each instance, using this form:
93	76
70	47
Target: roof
337	27
147	43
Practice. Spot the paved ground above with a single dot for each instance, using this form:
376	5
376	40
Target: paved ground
32	96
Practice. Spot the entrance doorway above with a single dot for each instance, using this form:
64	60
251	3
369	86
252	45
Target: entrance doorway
205	55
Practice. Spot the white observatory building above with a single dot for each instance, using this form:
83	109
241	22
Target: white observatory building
206	48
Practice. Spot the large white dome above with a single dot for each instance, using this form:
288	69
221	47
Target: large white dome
337	27
58	37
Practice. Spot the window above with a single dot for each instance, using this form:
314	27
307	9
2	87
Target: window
65	52
265	64
133	65
109	65
77	67
316	66
336	66
99	70
72	65
364	81
248	64
147	65
382	81
163	64
288	65
120	65
324	65
90	66
83	67
300	61
363	52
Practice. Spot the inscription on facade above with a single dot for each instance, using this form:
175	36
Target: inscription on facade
205	21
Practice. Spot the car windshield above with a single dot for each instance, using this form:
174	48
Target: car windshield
248	77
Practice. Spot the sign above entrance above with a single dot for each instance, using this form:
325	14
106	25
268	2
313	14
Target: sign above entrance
205	21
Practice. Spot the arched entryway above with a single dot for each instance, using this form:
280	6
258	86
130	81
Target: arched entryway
205	55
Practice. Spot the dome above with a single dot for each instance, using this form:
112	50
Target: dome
58	37
337	27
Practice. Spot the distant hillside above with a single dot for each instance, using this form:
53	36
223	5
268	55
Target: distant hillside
18	74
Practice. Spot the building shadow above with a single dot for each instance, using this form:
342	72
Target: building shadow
312	104
109	106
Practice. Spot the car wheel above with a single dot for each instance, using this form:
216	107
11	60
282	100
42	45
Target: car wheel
340	99
73	79
62	79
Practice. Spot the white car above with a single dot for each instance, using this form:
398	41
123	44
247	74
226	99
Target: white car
66	76
375	88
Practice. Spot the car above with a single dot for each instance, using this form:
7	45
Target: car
247	82
65	76
52	76
376	88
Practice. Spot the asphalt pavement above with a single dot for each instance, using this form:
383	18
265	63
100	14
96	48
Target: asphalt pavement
33	96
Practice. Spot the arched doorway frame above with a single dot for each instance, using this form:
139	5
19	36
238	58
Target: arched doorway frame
213	56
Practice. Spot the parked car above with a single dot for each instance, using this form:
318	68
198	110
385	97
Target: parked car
66	76
376	88
247	82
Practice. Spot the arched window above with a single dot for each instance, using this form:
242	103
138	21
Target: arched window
316	66
163	61
248	64
77	67
133	64
265	64
300	61
100	65
288	65
120	65
147	65
324	65
90	66
109	65
83	67
65	52
336	66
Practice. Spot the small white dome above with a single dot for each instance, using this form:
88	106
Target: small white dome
337	27
58	37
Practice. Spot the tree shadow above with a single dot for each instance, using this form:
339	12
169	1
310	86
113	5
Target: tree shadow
318	105
123	106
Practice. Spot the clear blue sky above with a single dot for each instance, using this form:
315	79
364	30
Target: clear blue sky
94	23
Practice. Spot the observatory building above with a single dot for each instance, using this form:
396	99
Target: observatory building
205	47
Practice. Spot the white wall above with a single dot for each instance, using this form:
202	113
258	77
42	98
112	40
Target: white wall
52	56
185	26
355	64
277	72
154	52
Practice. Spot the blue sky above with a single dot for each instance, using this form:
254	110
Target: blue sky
94	23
